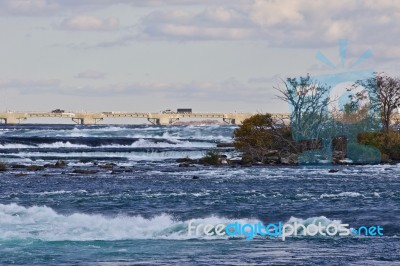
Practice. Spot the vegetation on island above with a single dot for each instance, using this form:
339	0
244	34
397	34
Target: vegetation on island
212	157
359	131
262	139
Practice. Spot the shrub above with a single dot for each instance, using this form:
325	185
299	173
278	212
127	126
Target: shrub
260	135
211	157
388	143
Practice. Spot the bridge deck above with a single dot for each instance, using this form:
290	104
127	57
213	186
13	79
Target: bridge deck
155	118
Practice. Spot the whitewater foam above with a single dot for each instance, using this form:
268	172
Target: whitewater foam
144	143
342	194
60	144
43	223
134	156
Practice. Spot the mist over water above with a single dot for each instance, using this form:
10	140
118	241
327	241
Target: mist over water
138	210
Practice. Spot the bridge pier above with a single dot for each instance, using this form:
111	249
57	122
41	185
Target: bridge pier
230	121
12	118
163	120
87	119
235	119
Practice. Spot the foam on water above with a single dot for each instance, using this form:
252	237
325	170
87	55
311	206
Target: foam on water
342	194
43	223
314	220
206	132
15	146
141	143
151	155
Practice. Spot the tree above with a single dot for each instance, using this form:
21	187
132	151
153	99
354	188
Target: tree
261	136
309	102
354	110
385	94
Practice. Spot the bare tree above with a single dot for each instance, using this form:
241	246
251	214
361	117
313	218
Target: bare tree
309	102
384	92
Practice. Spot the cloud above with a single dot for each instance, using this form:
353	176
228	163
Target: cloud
91	74
229	89
283	23
90	23
28	7
272	79
226	90
30	85
57	7
262	20
217	23
287	23
269	13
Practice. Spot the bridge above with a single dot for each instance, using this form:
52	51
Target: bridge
160	118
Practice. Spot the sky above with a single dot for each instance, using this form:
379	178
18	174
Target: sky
208	55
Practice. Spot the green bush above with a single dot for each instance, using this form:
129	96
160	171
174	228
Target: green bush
211	157
260	135
388	143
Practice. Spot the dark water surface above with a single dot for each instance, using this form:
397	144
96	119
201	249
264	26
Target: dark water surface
137	212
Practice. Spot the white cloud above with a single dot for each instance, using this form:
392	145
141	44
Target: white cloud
267	13
192	32
339	30
88	23
218	23
283	23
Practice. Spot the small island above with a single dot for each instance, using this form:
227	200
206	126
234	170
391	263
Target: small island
361	130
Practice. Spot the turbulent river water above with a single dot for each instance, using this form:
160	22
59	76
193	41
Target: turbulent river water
138	210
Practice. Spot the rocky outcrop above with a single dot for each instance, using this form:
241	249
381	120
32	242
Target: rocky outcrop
187	160
34	167
60	164
289	159
107	166
272	157
225	145
84	172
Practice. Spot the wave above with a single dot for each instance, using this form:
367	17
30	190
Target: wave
313	220
58	192
15	146
342	194
118	155
141	143
214	134
43	223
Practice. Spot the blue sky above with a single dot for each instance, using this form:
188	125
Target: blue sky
151	55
